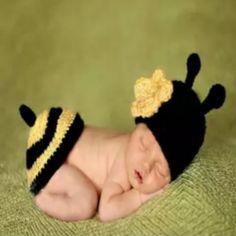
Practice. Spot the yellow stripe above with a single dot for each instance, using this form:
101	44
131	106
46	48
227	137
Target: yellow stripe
63	125
37	131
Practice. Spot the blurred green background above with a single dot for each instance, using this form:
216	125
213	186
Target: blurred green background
86	56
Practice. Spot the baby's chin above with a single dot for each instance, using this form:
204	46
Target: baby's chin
143	188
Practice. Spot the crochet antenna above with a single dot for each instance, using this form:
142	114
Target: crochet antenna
27	115
214	99
193	67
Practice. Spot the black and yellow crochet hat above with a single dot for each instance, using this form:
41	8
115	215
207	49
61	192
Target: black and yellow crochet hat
175	114
52	135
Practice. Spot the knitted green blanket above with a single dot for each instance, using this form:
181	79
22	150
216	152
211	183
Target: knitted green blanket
201	202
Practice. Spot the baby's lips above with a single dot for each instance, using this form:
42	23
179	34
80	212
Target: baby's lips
138	176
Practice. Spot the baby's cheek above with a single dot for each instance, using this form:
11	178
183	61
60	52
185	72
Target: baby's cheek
151	183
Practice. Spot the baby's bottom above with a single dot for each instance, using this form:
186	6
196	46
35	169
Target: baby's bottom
69	195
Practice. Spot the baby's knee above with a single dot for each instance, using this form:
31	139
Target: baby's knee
67	208
88	206
40	200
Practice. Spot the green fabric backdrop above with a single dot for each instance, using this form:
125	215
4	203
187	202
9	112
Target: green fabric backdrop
86	55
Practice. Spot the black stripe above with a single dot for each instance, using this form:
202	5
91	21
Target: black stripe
58	158
39	147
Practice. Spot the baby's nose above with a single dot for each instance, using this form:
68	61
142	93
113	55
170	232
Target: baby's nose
147	168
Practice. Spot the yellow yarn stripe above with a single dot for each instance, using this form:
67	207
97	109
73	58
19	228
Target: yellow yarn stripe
63	125
37	131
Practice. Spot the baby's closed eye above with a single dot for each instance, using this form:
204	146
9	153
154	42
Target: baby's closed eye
142	147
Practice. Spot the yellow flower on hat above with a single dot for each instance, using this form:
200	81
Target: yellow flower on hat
150	93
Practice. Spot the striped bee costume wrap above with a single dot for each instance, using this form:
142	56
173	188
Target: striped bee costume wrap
52	135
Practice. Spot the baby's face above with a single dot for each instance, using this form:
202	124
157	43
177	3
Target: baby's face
146	165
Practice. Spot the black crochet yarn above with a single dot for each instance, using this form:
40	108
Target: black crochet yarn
179	125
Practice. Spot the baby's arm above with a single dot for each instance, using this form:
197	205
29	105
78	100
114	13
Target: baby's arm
116	203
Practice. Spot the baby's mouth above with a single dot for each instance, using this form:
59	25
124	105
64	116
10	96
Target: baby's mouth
138	176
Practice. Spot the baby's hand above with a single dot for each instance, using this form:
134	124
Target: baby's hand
144	197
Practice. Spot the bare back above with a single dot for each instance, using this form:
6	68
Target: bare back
95	152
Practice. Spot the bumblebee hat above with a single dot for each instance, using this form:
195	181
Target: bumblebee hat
174	113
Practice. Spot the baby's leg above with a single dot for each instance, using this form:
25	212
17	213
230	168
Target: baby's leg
69	195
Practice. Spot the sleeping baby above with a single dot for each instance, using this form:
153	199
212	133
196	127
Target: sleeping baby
75	170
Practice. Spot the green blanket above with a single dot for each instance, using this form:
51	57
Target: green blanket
86	55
